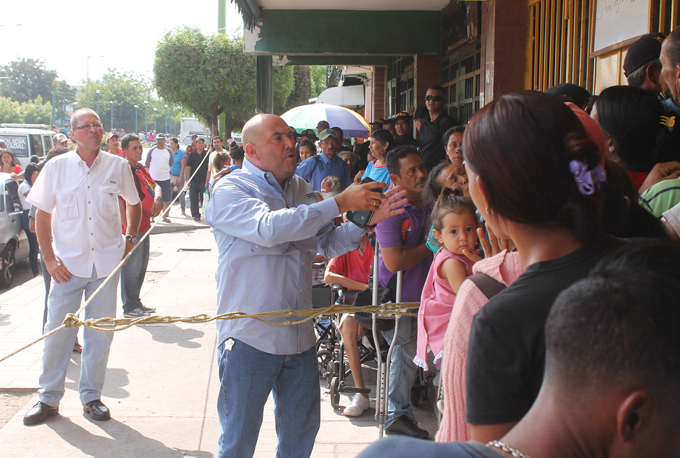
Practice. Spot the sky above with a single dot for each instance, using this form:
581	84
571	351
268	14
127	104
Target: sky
125	32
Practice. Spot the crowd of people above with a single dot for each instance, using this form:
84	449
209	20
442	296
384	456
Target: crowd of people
519	235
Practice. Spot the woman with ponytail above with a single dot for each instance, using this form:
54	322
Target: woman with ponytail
533	174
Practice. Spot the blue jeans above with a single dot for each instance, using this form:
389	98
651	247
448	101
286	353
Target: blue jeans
402	368
247	376
132	274
66	297
32	243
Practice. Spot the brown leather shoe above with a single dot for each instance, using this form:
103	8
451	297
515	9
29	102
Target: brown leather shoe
39	413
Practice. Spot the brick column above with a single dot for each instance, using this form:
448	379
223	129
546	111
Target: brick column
504	39
379	92
426	74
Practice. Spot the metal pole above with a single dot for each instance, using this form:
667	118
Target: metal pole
166	119
146	117
54	102
136	111
98	93
111	102
155	111
264	84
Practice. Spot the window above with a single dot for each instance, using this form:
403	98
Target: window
36	145
18	144
460	74
47	141
559	43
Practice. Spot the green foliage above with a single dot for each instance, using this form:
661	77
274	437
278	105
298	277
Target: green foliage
302	90
31	112
126	91
318	75
210	75
28	79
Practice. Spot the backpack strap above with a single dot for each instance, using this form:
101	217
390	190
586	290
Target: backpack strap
486	284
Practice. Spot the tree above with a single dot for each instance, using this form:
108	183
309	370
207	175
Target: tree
27	79
318	76
126	91
210	75
31	112
302	90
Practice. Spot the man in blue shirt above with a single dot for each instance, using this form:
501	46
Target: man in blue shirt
316	168
269	225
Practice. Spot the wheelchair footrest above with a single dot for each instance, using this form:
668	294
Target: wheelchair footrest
354	389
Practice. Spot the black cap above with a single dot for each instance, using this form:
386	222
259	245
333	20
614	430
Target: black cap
403	115
643	51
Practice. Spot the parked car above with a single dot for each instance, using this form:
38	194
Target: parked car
13	241
26	140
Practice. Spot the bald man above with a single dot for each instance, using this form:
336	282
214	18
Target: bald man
269	225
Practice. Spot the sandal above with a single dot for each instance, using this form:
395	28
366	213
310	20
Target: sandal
166	220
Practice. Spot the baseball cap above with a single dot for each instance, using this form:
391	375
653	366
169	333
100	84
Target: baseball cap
404	115
60	138
644	50
160	137
320	122
327	133
111	135
378	121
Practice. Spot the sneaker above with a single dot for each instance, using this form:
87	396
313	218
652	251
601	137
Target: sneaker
136	313
357	407
146	309
197	218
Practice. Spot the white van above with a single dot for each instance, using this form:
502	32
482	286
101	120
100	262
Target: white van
26	140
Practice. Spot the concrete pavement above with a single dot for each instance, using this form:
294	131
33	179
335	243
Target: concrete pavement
161	383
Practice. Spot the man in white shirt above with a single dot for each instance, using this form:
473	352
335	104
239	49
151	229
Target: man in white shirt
158	161
78	228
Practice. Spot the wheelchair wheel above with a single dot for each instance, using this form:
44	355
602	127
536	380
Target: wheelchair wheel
335	394
324	359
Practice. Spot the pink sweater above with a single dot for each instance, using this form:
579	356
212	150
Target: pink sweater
436	303
505	267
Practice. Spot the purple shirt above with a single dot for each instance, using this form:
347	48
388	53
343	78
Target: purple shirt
408	230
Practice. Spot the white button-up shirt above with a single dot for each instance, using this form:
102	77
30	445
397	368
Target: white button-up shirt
84	206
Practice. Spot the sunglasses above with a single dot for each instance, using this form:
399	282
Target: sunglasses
436	98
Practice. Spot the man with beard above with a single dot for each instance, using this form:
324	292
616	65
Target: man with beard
316	168
402	248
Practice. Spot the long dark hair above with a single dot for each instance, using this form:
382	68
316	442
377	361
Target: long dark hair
630	116
521	145
384	137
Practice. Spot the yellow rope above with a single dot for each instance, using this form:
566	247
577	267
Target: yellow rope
119	324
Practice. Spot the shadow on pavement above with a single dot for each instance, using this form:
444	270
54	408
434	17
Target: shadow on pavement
172	334
122	441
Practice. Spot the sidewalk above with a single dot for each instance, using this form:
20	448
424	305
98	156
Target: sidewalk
161	383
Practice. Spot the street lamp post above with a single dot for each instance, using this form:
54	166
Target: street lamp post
88	77
111	102
98	92
146	116
155	110
136	111
166	119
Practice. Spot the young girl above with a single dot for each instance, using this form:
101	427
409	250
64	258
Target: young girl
455	227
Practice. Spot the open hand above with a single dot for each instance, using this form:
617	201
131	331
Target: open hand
392	205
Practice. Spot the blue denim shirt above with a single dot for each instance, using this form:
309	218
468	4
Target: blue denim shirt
316	168
267	239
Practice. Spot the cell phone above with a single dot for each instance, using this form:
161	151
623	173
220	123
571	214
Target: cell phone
362	218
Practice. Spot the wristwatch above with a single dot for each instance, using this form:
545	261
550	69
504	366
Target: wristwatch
131	238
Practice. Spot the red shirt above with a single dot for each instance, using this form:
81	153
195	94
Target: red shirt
145	185
353	266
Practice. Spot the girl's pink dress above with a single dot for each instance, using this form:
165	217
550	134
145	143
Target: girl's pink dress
434	313
505	267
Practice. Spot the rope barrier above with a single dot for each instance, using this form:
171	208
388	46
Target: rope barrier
119	324
115	271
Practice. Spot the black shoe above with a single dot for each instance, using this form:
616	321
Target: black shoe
406	426
97	410
39	413
197	218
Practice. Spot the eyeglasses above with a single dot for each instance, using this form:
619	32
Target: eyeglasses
96	125
436	98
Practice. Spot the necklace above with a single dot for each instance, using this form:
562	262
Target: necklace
506	448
